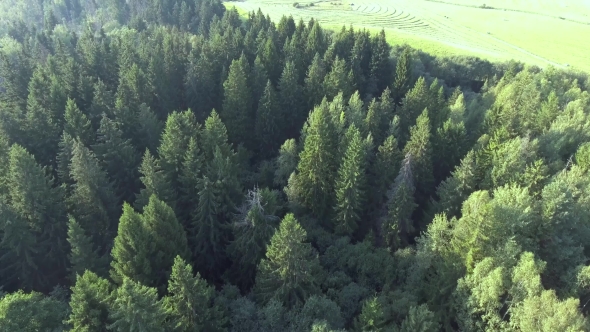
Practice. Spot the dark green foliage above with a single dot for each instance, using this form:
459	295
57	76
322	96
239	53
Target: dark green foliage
83	255
154	181
420	149
77	124
403	76
314	82
292	107
290	271
237	104
268	122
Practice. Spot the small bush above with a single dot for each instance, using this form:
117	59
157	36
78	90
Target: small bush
296	4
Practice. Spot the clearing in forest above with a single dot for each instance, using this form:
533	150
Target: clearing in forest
541	32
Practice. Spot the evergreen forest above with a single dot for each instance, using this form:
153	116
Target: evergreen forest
170	165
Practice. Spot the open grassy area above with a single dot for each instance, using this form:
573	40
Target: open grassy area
540	32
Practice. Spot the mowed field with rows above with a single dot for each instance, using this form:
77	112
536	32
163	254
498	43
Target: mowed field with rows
540	32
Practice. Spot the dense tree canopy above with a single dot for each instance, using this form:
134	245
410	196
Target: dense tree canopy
172	166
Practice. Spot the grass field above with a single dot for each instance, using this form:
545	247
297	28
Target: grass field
540	32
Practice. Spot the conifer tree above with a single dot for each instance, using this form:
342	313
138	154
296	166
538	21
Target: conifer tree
154	181
190	173
161	223
398	224
119	158
350	185
314	82
292	106
77	124
415	101
103	102
290	270
148	130
384	171
132	249
339	79
180	128
268	123
253	228
403	76
317	178
90	303
64	158
420	148
355	112
381	70
136	308
259	78
286	162
92	201
190	303
83	256
33	222
215	136
237	104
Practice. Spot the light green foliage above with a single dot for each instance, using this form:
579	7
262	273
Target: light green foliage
286	162
314	82
339	79
414	102
89	303
371	317
318	309
290	271
190	304
25	312
583	156
419	147
350	185
419	319
77	123
403	76
136	308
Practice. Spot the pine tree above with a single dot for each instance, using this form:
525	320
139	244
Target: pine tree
90	302
253	228
314	82
268	123
190	303
77	124
403	76
155	183
420	148
92	201
237	106
132	249
119	158
136	308
289	271
83	256
397	225
318	161
350	185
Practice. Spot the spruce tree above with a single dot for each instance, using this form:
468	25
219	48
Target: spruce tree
350	185
103	102
92	201
119	158
415	101
190	173
132	249
397	225
63	159
314	82
148	130
292	106
83	256
316	170
180	128
252	230
403	76
237	104
381	70
259	78
215	136
286	162
384	170
77	124
161	223
290	270
136	308
90	303
268	120
190	304
154	181
339	79
420	148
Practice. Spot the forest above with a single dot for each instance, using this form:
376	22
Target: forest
173	166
